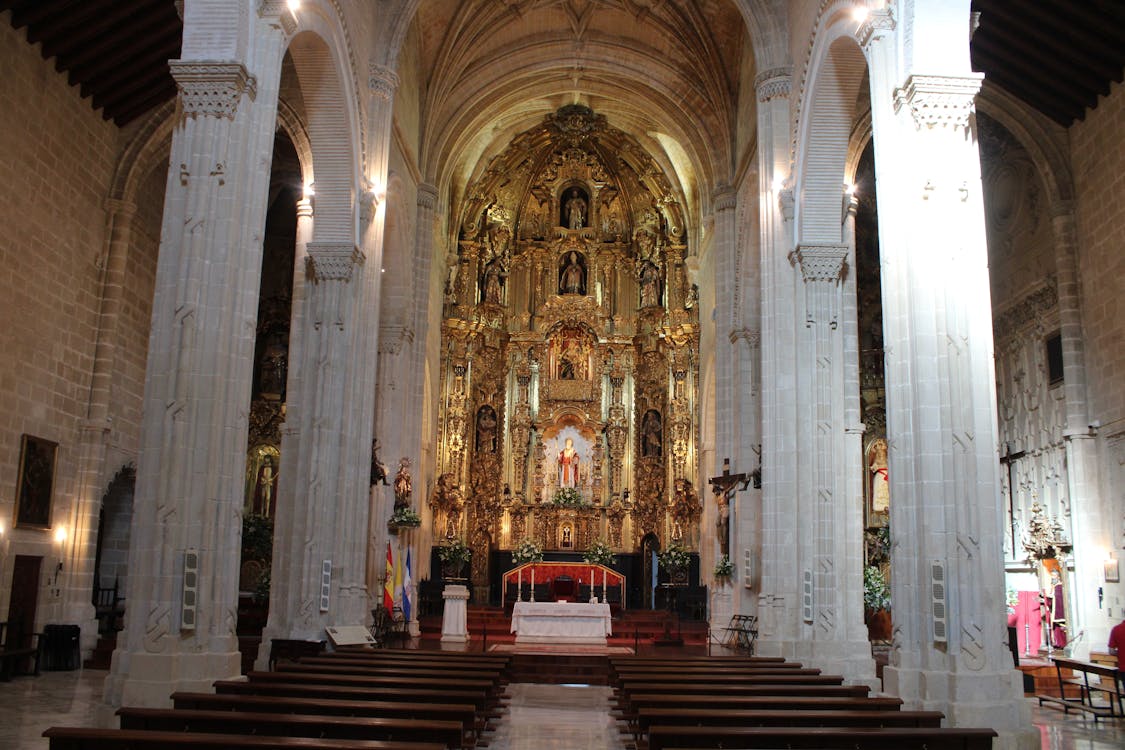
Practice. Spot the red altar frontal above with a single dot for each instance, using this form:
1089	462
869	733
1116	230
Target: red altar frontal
564	578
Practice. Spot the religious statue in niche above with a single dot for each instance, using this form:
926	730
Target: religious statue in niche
647	267
574	209
486	429
265	488
494	267
447	502
685	508
652	441
569	462
572	274
404	484
879	488
273	369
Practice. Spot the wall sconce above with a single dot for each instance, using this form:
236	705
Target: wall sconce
60	535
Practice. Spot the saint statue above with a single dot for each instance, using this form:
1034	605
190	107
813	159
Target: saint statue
572	279
568	465
722	522
486	429
404	484
651	439
378	468
877	468
575	210
265	488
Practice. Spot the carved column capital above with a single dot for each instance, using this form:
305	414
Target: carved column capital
939	101
724	198
775	83
382	81
878	23
427	196
120	208
820	262
211	88
329	261
277	12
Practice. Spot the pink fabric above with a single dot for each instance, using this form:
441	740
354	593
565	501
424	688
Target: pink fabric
1027	613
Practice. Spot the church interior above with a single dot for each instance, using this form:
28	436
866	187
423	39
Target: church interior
722	326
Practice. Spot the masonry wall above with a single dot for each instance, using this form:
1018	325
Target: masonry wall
57	156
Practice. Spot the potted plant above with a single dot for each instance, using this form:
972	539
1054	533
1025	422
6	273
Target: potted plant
568	497
876	603
599	553
454	556
527	551
403	518
675	560
724	569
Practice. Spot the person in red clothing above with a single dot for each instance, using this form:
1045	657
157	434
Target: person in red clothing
1117	643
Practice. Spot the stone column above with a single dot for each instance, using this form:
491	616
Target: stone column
79	548
950	650
1090	518
184	546
776	586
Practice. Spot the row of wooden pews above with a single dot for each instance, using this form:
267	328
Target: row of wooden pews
347	700
767	702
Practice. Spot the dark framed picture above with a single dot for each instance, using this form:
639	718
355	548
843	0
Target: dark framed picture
36	481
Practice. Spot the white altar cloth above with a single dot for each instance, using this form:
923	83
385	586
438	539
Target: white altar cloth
561	622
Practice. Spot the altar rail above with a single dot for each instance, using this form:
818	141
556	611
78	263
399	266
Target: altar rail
605	580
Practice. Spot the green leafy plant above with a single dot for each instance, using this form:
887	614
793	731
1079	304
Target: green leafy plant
599	553
568	497
675	559
455	554
876	592
724	568
527	551
405	517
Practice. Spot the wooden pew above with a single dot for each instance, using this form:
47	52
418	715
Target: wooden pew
479	699
664	659
341	667
460	666
745	678
787	717
765	702
628	698
82	738
461	712
1111	682
449	734
821	738
361	680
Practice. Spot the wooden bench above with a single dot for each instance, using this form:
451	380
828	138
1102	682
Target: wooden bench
782	716
81	738
747	678
821	738
449	734
287	649
1111	682
331	666
465	713
479	699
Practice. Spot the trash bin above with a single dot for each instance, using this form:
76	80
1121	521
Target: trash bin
61	650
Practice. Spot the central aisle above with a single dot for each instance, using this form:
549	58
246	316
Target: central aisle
556	717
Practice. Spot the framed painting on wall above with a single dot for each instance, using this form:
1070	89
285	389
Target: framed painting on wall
36	481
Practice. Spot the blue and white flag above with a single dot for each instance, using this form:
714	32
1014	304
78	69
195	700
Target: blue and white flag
406	585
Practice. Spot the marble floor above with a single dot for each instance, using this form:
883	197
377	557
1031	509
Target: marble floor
539	717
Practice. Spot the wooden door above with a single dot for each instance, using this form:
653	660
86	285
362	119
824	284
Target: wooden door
25	599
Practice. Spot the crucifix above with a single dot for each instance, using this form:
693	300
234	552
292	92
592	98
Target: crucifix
725	486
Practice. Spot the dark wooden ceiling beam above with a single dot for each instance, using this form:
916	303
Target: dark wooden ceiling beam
1002	22
122	40
81	29
162	47
999	59
107	93
130	111
1060	113
32	14
1075	29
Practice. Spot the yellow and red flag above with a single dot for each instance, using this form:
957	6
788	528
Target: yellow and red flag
389	582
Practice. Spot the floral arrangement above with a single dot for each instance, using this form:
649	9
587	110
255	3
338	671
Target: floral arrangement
527	551
599	553
876	592
455	554
724	568
405	516
675	559
568	497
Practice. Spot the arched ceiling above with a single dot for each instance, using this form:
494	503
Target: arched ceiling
664	71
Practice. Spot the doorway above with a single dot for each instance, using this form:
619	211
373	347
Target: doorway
24	601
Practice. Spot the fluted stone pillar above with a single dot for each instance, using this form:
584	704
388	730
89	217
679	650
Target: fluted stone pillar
950	651
184	544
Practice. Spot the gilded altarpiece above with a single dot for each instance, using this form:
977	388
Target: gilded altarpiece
569	409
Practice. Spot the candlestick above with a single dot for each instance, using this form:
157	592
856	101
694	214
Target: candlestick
532	583
519	585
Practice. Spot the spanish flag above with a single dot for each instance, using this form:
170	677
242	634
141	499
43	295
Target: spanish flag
389	582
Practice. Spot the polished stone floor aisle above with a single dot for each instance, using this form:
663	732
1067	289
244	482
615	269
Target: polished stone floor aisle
539	717
556	717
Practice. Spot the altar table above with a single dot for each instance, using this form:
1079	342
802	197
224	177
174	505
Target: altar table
561	622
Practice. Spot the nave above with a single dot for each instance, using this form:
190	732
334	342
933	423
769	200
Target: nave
535	716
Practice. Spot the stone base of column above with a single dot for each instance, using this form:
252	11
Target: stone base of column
722	607
970	700
852	659
148	680
454	621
